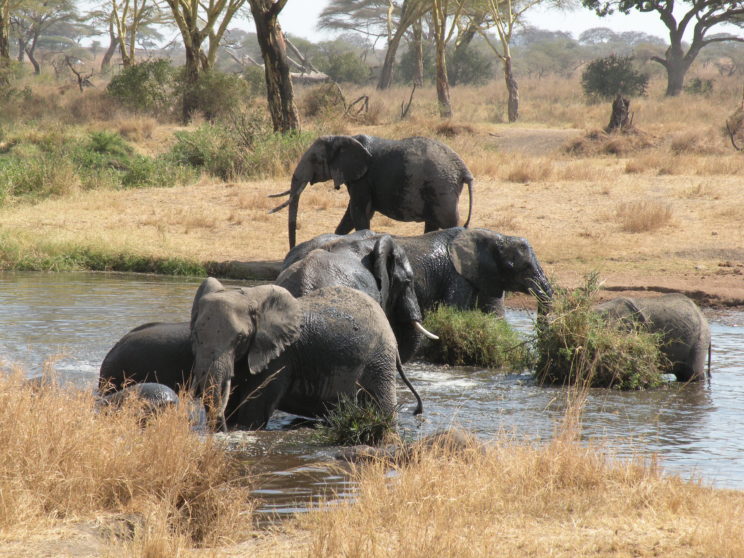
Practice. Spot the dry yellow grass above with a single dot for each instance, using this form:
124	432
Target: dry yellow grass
64	462
515	499
643	216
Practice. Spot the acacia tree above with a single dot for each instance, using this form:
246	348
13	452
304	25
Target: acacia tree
128	17
701	16
5	12
376	18
214	16
33	19
279	90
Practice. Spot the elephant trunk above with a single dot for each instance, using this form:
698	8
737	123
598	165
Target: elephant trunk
298	186
212	375
543	291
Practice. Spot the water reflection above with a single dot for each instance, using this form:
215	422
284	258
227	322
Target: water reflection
694	428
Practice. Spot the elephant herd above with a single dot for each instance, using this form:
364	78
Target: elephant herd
345	311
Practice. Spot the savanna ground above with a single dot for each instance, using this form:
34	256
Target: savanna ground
659	209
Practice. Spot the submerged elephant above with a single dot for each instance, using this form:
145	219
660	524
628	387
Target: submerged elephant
413	179
302	354
684	329
464	268
373	264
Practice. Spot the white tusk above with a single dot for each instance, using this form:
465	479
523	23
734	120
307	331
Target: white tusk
423	330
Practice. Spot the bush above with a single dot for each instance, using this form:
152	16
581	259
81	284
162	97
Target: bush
216	93
345	67
323	100
469	66
698	86
575	345
145	87
471	337
353	423
604	78
229	151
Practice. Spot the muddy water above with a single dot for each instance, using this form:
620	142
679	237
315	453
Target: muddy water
697	430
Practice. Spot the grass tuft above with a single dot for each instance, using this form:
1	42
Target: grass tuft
353	423
643	216
474	338
576	346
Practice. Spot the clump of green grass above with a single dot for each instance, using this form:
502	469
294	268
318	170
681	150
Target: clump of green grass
472	337
577	346
43	163
230	151
353	423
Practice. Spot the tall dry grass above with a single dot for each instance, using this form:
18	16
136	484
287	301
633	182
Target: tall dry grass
62	460
643	215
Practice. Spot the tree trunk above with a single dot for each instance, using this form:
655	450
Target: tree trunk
21	50
109	54
676	69
418	45
512	89
190	101
4	34
386	74
280	93
443	93
620	118
32	59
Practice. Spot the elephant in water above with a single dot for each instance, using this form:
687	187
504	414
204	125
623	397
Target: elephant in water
373	264
684	329
302	354
464	268
413	179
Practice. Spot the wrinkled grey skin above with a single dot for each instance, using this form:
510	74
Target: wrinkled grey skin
302	354
375	265
464	268
684	328
413	179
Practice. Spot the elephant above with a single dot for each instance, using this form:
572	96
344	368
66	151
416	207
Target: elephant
302	354
464	268
154	398
683	327
413	179
373	264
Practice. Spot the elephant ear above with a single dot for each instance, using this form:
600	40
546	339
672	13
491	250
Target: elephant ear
384	256
348	159
477	254
277	321
209	285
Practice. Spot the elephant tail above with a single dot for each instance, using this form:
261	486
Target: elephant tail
709	351
468	179
419	406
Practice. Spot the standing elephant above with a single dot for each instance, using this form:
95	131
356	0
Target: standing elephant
302	354
683	327
375	265
464	268
413	179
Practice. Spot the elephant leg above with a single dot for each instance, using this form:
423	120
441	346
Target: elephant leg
360	206
258	397
346	225
430	227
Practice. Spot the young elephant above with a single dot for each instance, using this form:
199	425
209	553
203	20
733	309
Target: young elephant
684	328
375	265
302	354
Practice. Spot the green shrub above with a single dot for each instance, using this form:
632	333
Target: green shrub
604	78
216	93
353	423
471	337
469	66
145	87
575	345
698	86
229	151
255	79
345	67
